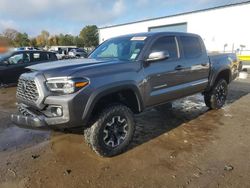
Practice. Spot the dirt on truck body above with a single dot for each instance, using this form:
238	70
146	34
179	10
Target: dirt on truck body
183	146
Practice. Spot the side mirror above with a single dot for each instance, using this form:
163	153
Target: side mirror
5	62
156	56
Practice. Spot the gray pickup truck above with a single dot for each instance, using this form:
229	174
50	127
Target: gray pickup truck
122	76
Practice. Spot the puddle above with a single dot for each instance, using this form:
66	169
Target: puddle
15	138
243	75
11	136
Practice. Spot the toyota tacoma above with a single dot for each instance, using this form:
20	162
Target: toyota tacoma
121	77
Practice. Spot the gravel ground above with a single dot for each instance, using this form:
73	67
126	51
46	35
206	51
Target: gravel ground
186	146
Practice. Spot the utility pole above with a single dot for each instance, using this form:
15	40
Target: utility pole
225	45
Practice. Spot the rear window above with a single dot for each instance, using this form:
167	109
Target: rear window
38	56
191	46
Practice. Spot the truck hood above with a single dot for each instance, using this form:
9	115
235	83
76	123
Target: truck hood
68	67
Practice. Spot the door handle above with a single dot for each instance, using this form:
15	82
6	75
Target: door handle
179	67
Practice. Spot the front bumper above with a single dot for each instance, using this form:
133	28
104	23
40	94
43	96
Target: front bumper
32	117
28	122
41	122
38	113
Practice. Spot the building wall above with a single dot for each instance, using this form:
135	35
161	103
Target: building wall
218	27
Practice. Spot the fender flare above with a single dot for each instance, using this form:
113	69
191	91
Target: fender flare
106	90
215	75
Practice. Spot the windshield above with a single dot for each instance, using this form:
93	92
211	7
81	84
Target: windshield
123	48
4	56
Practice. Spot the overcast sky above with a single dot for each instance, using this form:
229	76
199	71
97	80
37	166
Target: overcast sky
69	16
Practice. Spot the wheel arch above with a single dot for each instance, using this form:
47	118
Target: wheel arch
222	73
110	91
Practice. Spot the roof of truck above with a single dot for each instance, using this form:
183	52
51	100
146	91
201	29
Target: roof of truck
149	34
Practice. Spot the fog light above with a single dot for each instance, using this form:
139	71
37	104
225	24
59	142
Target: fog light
56	111
59	111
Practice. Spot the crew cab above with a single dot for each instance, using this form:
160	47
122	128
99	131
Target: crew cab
121	77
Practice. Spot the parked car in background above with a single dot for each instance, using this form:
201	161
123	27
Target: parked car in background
122	76
60	55
26	48
77	53
13	64
62	52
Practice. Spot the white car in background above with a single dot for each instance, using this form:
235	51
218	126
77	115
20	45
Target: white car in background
78	53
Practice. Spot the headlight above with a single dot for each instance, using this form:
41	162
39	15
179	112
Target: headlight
66	85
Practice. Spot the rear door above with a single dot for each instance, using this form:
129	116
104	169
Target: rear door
163	80
38	57
195	65
51	56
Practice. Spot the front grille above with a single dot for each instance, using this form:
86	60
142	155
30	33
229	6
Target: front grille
27	90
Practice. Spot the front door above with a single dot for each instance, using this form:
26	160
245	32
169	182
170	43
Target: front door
163	77
15	67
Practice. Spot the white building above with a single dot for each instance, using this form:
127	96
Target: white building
222	28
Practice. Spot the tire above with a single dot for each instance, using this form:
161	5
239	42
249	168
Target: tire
216	98
112	132
207	100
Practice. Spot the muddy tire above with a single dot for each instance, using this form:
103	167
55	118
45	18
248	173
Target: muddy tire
112	132
207	100
216	98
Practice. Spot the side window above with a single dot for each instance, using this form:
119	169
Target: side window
51	56
38	56
16	59
166	44
44	57
19	58
136	48
191	46
26	58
